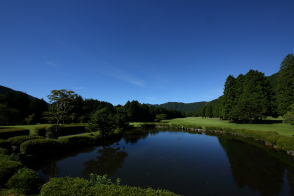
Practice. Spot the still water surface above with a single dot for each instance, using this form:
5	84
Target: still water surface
184	163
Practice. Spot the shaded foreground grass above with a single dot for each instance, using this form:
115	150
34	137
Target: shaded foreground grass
270	124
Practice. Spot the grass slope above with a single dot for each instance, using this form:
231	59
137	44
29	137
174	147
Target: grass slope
270	124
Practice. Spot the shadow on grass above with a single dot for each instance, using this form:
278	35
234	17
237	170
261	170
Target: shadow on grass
269	122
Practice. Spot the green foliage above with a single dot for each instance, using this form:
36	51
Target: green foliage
39	147
273	139
285	90
4	144
25	181
285	143
289	117
161	117
95	179
209	128
106	123
62	101
208	111
40	131
81	187
3	151
7	133
53	131
18	140
72	129
229	97
70	143
227	130
7	169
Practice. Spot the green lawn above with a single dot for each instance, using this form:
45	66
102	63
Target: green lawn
270	124
30	127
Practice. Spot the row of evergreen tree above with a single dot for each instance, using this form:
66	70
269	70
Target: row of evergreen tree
251	97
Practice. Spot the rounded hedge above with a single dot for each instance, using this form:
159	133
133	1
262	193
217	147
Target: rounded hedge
4	144
39	147
3	151
7	169
18	140
81	187
25	181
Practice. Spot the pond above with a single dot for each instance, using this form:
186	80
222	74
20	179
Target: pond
185	163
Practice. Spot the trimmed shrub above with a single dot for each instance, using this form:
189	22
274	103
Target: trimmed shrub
39	147
227	130
18	140
145	125
208	128
67	143
239	131
4	144
7	169
3	151
40	131
53	131
7	133
273	139
262	135
72	129
81	187
285	143
25	181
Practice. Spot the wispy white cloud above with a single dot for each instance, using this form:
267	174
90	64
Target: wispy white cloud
122	75
50	63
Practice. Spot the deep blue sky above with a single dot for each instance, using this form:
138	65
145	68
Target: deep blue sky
151	51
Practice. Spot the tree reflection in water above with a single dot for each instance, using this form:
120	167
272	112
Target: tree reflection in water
108	161
51	171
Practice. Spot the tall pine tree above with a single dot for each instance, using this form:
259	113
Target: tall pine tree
228	97
285	91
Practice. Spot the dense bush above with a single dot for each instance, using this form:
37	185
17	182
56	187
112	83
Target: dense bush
18	140
72	129
227	130
7	169
274	138
4	144
7	133
285	143
76	142
53	131
40	131
25	181
208	128
39	147
81	187
3	151
146	125
261	135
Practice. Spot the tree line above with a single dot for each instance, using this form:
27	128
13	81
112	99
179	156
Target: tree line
251	97
68	107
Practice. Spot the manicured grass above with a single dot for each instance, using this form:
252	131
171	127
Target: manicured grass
270	124
30	127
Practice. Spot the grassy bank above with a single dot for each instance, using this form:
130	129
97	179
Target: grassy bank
270	124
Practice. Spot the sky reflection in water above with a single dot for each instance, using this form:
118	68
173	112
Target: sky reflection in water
185	163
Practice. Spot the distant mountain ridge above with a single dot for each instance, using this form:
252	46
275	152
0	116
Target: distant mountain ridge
4	90
183	107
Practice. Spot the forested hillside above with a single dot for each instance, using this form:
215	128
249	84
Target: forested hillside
4	90
183	107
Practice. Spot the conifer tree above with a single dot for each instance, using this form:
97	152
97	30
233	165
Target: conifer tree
285	90
228	97
258	94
